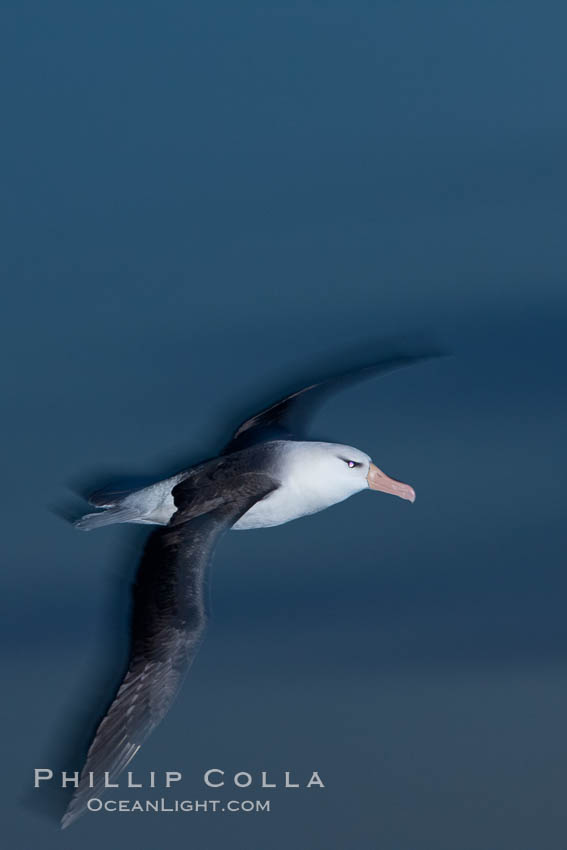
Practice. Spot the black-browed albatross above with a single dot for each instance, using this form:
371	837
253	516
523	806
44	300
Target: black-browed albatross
266	475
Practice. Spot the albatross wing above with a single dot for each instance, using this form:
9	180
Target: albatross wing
168	620
288	417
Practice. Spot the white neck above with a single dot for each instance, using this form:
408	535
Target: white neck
313	477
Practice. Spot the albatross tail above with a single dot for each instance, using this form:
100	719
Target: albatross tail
108	516
151	505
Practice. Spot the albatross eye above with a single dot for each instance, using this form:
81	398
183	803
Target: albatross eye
350	463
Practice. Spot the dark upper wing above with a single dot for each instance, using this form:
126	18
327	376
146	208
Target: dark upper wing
168	622
288	417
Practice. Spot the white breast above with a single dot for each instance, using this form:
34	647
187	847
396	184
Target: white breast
284	504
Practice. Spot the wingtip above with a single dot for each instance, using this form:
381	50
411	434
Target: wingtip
72	813
66	820
425	356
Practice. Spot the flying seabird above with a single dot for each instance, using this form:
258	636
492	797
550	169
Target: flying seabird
266	475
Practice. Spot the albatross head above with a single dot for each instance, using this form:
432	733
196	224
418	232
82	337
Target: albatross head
314	476
333	472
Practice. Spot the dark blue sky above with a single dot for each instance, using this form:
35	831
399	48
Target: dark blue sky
200	201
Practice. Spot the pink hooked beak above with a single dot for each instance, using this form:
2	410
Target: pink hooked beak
378	480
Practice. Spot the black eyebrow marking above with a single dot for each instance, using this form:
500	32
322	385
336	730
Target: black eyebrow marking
349	460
